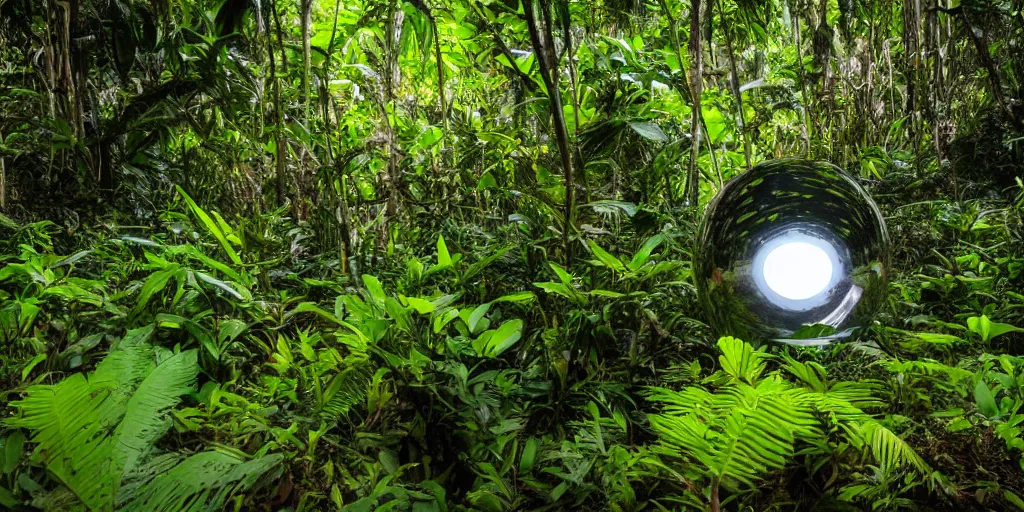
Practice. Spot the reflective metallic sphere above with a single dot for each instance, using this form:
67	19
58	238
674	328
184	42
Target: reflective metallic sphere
793	251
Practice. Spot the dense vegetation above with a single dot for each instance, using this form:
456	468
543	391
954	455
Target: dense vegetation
434	255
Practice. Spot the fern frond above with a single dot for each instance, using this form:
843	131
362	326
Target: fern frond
846	401
145	420
204	481
738	434
346	390
750	427
861	395
928	367
70	437
754	445
684	401
890	450
686	431
740	360
96	433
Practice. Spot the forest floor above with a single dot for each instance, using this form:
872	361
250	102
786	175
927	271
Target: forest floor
209	364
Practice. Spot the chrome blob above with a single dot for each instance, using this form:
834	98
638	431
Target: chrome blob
793	251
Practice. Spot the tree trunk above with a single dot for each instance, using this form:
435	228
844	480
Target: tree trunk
543	44
734	82
442	102
337	183
802	76
563	7
280	37
280	148
869	77
911	49
3	181
396	18
684	92
696	88
995	82
306	15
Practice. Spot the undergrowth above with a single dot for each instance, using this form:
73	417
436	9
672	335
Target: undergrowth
209	364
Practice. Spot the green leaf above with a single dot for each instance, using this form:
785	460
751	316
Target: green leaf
444	259
211	226
608	207
14	447
486	182
644	254
1013	499
604	258
310	307
517	297
740	360
985	401
475	317
526	461
444	319
988	329
563	290
813	331
649	131
563	276
8	223
374	289
716	123
224	286
439	494
429	137
598	436
480	265
494	342
31	365
73	293
8	499
423	307
72	259
155	283
230	330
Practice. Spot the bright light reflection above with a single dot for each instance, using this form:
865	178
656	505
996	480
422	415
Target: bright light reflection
797	270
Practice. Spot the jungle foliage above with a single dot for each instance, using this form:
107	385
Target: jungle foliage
433	255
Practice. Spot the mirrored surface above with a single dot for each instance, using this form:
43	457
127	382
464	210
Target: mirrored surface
794	251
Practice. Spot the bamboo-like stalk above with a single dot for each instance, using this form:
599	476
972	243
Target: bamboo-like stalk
734	82
3	181
279	144
696	87
543	45
306	19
